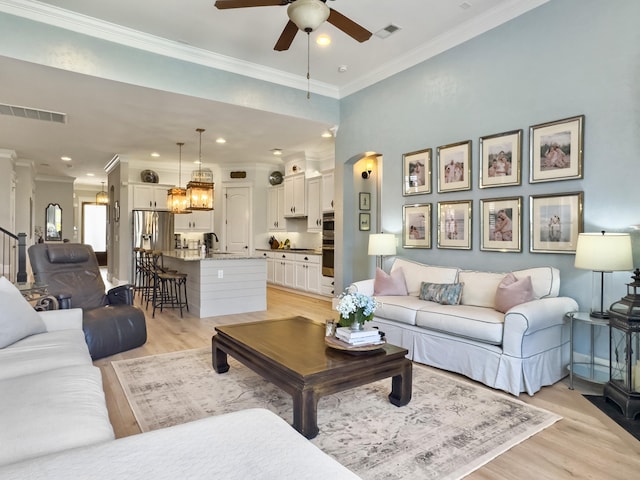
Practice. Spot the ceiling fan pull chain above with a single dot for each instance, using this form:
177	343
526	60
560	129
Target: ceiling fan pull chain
308	63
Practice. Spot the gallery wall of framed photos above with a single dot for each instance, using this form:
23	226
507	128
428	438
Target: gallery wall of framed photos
553	219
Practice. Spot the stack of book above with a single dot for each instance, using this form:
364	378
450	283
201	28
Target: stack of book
367	336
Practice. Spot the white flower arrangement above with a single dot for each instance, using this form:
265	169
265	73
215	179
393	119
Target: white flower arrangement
352	303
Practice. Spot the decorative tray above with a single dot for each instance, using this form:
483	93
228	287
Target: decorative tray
337	344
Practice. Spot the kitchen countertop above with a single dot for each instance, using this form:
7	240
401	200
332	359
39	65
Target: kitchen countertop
195	255
304	251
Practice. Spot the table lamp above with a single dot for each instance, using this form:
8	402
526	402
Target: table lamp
382	244
603	253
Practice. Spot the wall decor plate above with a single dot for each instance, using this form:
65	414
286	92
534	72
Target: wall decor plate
275	178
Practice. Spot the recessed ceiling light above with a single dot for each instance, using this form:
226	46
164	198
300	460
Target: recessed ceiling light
323	40
155	154
91	174
65	159
327	134
277	151
220	140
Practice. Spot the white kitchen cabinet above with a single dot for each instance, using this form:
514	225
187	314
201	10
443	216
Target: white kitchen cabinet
270	266
294	196
198	221
314	209
307	271
327	286
327	191
150	196
275	208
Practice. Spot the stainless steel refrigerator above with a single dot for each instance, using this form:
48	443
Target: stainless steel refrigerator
152	230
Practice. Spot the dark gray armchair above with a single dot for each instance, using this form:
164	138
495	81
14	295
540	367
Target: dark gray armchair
110	322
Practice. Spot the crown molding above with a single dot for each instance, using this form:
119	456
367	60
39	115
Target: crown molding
54	179
83	24
450	39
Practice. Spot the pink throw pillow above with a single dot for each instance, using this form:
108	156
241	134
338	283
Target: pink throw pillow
512	292
385	284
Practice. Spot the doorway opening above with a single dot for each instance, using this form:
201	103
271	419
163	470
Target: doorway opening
94	229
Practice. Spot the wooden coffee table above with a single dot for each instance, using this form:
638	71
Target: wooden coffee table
291	354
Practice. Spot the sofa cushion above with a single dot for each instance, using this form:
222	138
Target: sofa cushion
252	443
512	292
399	308
477	323
415	273
479	288
18	319
389	284
52	411
442	293
545	280
45	351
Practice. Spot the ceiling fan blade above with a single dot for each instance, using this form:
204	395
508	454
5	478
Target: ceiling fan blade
224	4
348	26
286	37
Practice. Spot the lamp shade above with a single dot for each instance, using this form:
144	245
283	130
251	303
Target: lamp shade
382	244
308	14
604	252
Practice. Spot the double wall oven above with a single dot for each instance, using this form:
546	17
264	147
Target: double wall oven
328	223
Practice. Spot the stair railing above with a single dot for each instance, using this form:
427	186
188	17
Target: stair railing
13	256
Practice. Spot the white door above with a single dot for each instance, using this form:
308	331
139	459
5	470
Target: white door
238	219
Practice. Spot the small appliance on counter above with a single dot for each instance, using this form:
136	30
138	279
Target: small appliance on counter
210	240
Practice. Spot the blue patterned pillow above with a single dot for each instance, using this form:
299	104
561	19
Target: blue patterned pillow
442	293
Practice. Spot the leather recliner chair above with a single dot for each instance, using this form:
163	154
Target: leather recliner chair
110	322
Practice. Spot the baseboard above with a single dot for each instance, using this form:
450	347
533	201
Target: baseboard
300	292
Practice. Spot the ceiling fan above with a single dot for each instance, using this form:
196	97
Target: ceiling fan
305	15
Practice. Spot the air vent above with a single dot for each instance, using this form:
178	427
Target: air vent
386	31
32	113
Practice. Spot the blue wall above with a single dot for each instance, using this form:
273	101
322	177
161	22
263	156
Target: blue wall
565	58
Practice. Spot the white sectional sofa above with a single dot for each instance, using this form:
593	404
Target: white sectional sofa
54	422
518	350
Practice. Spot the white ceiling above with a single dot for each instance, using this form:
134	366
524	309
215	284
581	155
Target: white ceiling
133	121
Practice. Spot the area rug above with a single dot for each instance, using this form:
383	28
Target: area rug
613	412
449	428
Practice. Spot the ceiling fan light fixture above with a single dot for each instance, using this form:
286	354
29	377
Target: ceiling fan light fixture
308	15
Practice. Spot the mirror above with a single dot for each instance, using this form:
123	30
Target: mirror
53	222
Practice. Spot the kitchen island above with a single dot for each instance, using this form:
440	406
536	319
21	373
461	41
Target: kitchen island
221	283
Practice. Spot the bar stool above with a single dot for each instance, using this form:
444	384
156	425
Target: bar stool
172	292
169	286
138	276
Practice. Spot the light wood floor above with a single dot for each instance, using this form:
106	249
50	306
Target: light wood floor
584	444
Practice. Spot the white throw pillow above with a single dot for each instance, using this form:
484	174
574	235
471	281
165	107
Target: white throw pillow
479	288
18	319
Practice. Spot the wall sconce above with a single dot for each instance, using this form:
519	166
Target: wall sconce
367	173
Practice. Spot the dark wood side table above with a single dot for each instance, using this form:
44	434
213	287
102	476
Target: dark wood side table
291	354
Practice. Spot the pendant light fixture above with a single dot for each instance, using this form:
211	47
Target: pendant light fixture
102	197
200	188
177	199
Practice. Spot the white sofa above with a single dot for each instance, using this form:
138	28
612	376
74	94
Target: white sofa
54	422
520	350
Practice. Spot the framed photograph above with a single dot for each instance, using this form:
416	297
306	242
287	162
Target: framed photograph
454	167
501	224
556	150
365	201
555	222
417	172
454	225
501	159
416	225
365	222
